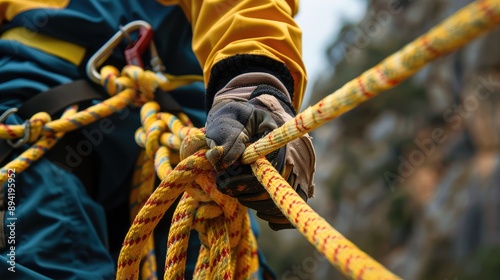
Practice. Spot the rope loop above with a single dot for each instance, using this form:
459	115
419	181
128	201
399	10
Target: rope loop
37	122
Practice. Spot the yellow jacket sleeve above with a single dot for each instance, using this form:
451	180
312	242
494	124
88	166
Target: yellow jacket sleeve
222	29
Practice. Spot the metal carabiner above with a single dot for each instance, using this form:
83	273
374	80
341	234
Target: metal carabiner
27	127
7	113
107	49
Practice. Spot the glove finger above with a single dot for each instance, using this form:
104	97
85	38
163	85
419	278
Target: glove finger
276	226
215	154
238	181
226	128
275	219
276	222
223	156
264	207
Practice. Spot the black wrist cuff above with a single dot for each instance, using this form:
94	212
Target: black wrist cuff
225	70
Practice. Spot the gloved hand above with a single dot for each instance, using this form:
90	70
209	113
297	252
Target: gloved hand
247	108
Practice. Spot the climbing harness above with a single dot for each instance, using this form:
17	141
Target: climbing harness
229	248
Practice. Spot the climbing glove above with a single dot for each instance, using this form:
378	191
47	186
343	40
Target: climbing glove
247	108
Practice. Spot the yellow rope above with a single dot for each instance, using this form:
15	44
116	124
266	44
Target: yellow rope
160	132
78	120
37	150
451	34
42	126
229	248
343	254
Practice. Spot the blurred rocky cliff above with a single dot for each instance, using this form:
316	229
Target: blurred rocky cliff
413	176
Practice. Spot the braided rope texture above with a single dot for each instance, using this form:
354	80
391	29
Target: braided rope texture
229	248
343	254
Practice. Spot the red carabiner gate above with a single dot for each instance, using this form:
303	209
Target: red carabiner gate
134	51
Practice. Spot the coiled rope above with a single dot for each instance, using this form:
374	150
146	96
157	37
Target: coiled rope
229	249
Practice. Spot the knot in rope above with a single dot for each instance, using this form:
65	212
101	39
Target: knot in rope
160	134
143	82
211	203
229	247
28	132
37	123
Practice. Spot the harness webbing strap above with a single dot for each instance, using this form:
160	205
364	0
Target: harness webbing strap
53	101
59	98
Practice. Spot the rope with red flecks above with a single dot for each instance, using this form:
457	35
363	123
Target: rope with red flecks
230	248
453	33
